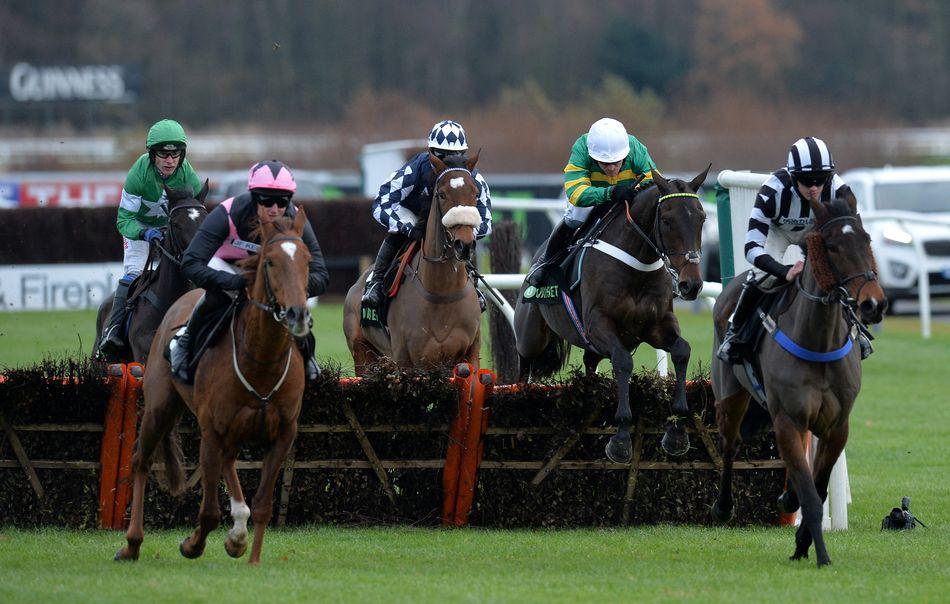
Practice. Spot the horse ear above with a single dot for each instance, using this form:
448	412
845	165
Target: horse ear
851	199
203	192
661	183
470	163
819	210
699	180
437	164
300	219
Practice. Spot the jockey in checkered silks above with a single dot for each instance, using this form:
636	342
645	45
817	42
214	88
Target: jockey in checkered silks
402	205
143	212
781	217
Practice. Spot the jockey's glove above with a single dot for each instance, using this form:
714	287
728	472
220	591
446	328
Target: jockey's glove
622	192
153	234
417	232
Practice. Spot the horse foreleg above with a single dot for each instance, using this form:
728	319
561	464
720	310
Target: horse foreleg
236	543
209	515
729	414
829	450
591	360
789	439
619	448
676	441
262	507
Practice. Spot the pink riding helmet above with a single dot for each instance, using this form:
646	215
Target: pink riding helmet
272	175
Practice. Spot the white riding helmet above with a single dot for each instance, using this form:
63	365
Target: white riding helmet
607	141
448	136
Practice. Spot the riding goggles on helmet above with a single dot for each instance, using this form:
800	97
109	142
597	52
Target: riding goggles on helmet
163	154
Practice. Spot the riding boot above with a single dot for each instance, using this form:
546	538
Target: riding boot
558	240
375	290
180	353
112	341
308	346
730	349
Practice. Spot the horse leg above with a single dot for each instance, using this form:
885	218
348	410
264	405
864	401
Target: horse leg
157	420
828	451
619	449
364	355
262	507
591	360
209	515
236	542
676	441
789	437
729	414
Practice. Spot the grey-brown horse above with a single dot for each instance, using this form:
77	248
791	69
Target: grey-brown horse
165	284
435	318
626	297
811	371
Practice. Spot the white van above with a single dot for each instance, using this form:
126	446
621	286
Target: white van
907	212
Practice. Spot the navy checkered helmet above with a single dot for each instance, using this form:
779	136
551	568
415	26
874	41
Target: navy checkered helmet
448	136
810	155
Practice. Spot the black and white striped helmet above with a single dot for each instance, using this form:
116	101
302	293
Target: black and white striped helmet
448	136
810	154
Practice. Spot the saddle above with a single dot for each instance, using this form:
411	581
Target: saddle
392	279
206	335
772	305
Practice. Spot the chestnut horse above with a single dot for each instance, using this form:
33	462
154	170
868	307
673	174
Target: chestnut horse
648	253
810	380
248	388
435	318
186	212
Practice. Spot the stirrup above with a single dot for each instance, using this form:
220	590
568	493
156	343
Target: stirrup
537	274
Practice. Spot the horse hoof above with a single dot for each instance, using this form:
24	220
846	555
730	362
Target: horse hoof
124	555
788	502
235	549
191	555
675	442
825	562
619	450
721	515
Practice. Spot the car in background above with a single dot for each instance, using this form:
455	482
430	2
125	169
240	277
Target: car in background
906	211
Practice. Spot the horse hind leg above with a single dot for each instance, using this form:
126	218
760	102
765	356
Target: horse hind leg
157	421
789	441
236	543
729	414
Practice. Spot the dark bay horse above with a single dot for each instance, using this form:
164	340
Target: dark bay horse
435	318
248	388
625	298
805	395
165	284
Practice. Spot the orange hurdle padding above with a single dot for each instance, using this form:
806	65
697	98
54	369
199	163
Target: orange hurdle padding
133	386
111	436
462	378
474	446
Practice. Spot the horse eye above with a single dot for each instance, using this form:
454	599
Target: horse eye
268	262
667	222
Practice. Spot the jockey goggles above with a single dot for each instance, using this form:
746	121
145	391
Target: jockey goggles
162	154
282	201
813	180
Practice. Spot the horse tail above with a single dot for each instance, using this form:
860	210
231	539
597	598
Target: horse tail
172	457
551	360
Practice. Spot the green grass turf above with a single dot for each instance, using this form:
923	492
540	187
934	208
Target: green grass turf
900	429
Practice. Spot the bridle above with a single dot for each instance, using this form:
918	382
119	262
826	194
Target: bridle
175	243
444	241
839	292
656	243
271	305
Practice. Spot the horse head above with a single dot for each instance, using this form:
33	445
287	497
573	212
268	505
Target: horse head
280	273
186	212
678	229
839	252
454	199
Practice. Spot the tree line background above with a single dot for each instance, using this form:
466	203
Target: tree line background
692	78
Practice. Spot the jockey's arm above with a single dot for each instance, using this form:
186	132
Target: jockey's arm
390	196
484	206
194	264
318	278
760	221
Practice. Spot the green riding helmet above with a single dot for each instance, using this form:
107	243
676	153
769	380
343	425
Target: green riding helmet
166	135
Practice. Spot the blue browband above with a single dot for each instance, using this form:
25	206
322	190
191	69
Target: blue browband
810	355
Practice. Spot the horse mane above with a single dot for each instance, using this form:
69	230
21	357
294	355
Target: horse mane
249	265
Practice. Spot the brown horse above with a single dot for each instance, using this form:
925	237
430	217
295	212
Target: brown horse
626	297
248	388
435	318
164	285
810	380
